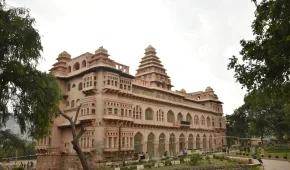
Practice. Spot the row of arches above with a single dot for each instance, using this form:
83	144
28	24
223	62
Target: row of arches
73	103
204	142
77	66
160	116
69	86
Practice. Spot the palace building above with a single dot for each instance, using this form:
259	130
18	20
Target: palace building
126	114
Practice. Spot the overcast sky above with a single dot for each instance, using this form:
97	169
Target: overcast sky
193	38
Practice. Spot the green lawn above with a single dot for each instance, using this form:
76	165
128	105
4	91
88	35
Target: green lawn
214	162
281	155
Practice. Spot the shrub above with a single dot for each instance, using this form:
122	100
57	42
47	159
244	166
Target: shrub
208	159
269	156
17	168
276	156
181	158
124	168
285	156
147	166
194	159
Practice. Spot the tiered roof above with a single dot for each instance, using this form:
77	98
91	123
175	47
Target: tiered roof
151	69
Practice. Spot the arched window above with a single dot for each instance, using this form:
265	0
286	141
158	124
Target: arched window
202	120
137	112
84	63
72	104
189	118
78	102
68	87
148	114
80	86
170	116
160	115
76	66
208	121
67	104
179	117
196	120
69	69
73	86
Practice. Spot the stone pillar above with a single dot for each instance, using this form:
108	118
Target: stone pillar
145	146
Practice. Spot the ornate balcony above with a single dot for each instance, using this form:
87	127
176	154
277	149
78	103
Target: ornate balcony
181	123
118	117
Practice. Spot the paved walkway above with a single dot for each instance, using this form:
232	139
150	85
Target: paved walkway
275	164
270	164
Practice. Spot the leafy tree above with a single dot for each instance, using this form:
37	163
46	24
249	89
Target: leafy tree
264	69
32	96
268	116
266	58
10	142
237	125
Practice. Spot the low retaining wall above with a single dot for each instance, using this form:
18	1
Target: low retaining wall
236	167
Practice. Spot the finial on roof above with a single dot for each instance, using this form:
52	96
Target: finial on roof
150	49
64	54
209	89
101	50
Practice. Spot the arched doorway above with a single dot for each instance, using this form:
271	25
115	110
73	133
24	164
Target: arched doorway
210	142
197	141
190	141
181	142
161	145
150	144
204	142
172	150
138	142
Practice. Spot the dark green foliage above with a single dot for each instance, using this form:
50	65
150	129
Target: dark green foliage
278	148
17	168
32	96
195	159
266	58
10	142
264	69
237	125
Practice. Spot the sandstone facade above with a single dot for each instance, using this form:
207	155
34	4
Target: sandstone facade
128	114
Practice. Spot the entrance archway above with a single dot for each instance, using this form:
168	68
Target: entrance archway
197	141
172	150
210	142
150	144
181	142
190	141
138	142
204	142
161	145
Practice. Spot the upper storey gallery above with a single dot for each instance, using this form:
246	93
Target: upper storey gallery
151	77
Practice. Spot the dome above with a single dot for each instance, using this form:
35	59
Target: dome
64	54
101	50
183	91
150	49
209	89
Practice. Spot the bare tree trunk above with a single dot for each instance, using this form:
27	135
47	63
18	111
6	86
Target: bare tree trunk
76	137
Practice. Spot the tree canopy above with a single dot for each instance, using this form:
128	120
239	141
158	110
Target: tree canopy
26	94
266	59
264	69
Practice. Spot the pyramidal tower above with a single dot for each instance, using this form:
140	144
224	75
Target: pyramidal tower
152	71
